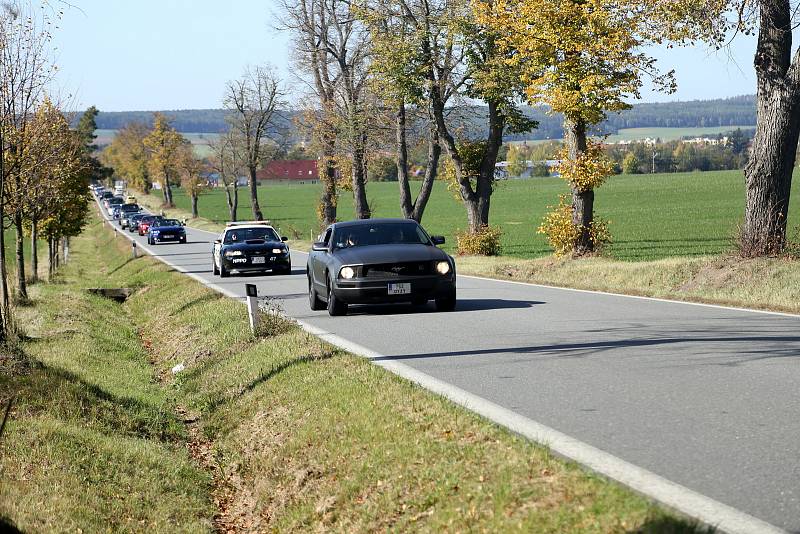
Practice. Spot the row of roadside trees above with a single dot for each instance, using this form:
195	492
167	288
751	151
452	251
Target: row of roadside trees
401	67
46	166
146	154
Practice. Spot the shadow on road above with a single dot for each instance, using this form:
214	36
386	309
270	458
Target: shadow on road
470	305
582	350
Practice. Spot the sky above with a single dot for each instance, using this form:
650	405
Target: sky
122	55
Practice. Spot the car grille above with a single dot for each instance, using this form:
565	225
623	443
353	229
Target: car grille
394	270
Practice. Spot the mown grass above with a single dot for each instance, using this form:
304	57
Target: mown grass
298	436
652	216
761	283
93	443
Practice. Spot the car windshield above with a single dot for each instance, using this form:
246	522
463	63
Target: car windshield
130	207
115	201
150	218
400	233
240	235
167	222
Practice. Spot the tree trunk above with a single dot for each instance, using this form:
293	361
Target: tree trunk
768	173
481	201
194	205
34	251
51	268
232	198
406	204
168	194
478	200
235	207
329	195
257	215
359	181
4	275
582	201
164	192
22	286
431	171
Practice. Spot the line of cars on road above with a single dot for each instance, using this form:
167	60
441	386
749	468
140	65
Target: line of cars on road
372	261
132	217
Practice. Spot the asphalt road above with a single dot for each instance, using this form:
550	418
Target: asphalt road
706	397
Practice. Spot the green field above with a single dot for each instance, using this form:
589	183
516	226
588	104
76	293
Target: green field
671	134
652	216
665	134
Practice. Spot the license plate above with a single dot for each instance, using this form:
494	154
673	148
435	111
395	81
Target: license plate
167	236
258	260
400	289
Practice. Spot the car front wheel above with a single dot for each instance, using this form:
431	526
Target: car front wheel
335	306
223	272
314	301
214	269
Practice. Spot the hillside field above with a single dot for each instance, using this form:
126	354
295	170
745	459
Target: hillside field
652	216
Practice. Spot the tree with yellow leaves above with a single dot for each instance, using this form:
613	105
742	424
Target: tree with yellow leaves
163	146
191	171
60	172
127	155
583	59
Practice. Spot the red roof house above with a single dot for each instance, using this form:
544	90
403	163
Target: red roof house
299	170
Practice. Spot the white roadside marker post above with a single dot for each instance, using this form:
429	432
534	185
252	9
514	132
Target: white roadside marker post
135	252
252	305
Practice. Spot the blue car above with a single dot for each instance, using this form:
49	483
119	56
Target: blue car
162	230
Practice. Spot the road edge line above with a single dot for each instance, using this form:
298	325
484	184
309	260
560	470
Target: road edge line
675	496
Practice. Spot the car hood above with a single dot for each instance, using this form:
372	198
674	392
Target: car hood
389	254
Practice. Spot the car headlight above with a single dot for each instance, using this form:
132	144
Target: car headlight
231	253
442	267
278	251
347	273
154	231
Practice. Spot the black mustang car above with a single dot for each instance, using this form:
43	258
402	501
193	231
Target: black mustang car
375	261
250	246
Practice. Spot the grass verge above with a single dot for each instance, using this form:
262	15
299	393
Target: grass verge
280	432
761	283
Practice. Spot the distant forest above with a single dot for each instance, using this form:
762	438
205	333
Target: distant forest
736	111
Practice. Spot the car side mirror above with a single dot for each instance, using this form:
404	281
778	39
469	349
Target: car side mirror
217	241
319	247
437	239
284	238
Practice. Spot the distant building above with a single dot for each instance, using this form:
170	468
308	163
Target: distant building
214	180
300	171
501	169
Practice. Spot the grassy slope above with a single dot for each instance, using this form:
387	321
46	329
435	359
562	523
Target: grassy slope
652	216
298	436
93	442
